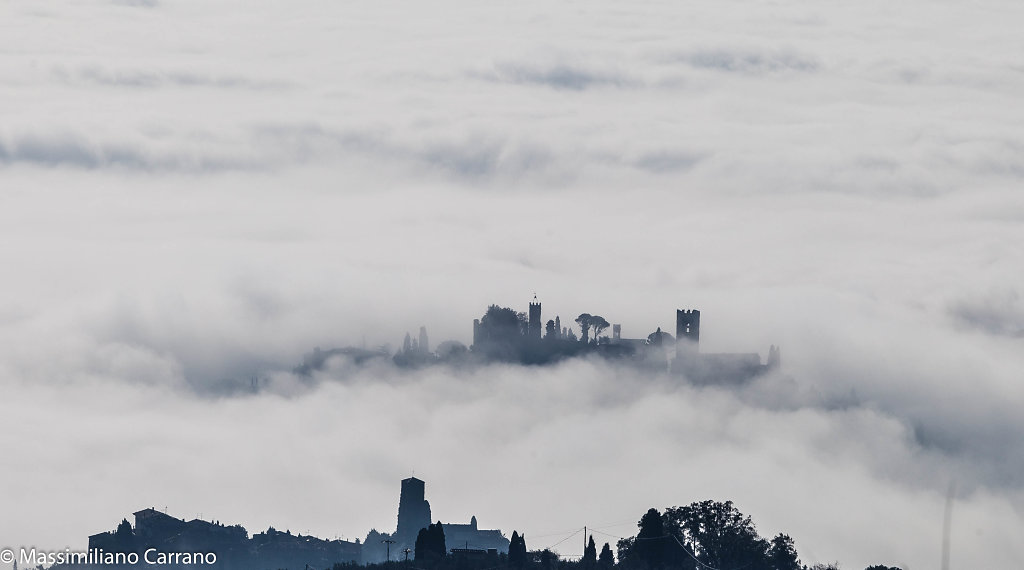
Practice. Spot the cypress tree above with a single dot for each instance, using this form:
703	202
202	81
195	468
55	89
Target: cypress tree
606	560
516	551
430	543
590	554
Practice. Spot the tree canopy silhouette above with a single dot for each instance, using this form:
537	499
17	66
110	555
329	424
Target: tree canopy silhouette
589	559
718	534
517	550
606	560
703	535
124	530
501	334
503	323
649	547
584	321
599	324
782	553
430	546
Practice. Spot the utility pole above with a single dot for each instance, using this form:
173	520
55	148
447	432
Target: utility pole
584	543
389	542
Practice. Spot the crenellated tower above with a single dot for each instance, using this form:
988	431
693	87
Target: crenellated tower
535	324
687	330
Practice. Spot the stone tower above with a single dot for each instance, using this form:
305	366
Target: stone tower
687	331
413	511
535	325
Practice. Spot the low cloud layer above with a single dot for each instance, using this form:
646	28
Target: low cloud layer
743	61
538	450
183	212
997	312
559	76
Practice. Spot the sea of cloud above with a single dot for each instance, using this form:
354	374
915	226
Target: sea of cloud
194	194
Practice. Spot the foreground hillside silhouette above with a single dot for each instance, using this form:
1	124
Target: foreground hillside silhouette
705	535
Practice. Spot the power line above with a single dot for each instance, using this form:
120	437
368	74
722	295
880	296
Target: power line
611	525
690	554
608	534
558	533
566	538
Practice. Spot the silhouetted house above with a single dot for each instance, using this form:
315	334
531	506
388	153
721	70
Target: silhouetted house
647	353
231	545
275	549
153	526
468	536
635	345
477	556
112	541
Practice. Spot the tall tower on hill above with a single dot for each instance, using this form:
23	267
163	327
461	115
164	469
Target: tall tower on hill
535	325
413	511
687	331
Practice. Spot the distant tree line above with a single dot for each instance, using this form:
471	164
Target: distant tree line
705	535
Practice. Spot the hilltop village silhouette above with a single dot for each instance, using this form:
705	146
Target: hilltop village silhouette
703	535
274	549
505	335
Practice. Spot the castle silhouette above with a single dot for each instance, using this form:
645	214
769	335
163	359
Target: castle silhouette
413	515
274	549
505	335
